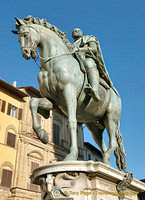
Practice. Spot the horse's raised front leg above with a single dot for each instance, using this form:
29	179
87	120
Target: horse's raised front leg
71	103
43	106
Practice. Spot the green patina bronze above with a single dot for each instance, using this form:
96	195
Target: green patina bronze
84	93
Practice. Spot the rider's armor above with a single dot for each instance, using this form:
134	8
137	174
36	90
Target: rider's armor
90	53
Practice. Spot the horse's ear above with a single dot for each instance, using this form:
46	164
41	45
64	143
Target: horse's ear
15	32
18	21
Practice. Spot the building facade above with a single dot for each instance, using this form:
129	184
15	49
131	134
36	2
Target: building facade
92	153
11	103
141	196
21	151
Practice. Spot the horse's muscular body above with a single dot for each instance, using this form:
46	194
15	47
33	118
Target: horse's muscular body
61	80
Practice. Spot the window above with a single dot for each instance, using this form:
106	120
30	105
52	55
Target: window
11	139
89	156
81	151
34	166
33	187
6	178
20	114
3	104
65	144
56	134
12	110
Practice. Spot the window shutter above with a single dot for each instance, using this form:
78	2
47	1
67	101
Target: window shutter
89	156
6	178
56	134
20	114
34	166
11	139
3	106
9	178
9	109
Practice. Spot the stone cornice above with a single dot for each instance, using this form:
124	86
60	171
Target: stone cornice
92	168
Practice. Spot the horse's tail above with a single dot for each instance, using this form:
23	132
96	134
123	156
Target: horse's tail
120	151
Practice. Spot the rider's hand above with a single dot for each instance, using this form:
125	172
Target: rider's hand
76	49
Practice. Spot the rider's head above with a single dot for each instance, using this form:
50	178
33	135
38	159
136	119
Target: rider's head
77	33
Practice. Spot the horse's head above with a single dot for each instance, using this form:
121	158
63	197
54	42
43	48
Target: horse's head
28	37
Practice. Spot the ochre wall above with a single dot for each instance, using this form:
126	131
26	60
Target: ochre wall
8	124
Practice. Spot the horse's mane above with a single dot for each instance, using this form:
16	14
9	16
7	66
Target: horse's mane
33	20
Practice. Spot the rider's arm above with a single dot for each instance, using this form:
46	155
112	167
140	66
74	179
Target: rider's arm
89	47
93	47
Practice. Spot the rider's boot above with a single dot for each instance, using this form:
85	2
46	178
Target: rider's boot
93	76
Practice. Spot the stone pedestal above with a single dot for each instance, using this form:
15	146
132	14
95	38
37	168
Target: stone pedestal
82	180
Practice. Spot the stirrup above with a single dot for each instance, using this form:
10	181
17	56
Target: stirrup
95	96
88	87
90	91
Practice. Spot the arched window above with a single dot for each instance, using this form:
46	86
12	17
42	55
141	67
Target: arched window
6	177
35	160
11	136
11	139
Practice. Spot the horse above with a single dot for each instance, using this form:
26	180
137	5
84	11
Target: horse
61	83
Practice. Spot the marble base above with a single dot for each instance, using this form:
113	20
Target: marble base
82	180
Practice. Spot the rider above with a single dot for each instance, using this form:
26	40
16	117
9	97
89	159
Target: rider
90	53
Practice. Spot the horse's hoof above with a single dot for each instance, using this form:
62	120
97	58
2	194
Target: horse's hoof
43	136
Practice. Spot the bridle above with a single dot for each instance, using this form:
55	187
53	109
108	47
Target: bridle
28	44
33	49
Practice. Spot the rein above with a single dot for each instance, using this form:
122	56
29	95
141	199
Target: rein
50	58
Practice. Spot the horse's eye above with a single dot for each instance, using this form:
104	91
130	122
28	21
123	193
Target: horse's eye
25	35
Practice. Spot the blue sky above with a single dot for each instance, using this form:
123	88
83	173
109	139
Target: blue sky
119	26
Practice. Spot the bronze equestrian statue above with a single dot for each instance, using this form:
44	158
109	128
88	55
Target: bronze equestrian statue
74	78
